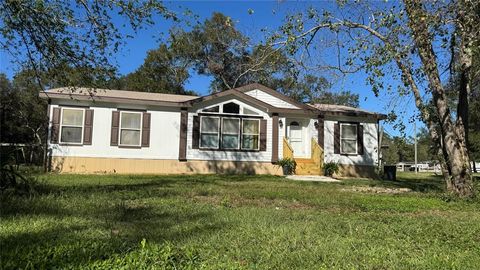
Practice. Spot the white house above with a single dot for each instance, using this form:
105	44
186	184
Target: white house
243	130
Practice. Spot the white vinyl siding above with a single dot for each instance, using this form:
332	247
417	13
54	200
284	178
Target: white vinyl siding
267	98
164	139
370	141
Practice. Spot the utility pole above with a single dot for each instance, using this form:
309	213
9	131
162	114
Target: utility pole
415	137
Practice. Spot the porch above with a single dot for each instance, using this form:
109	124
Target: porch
306	166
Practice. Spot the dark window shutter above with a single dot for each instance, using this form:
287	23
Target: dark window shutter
196	132
146	130
182	148
115	127
263	135
336	138
360	139
88	127
54	136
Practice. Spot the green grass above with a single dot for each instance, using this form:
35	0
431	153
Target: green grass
237	222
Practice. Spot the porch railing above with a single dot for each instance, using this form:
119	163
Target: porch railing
287	149
317	153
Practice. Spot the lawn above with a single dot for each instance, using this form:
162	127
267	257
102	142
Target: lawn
237	222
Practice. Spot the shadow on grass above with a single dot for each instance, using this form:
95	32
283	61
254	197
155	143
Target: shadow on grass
72	226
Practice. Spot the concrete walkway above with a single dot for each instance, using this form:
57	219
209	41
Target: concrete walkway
312	178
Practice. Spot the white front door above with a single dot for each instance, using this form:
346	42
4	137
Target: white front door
296	138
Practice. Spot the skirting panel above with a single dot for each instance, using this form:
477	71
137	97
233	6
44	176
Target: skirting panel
153	166
363	171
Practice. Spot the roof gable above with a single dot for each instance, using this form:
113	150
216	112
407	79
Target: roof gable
272	100
279	100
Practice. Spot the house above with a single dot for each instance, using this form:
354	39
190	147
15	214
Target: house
242	130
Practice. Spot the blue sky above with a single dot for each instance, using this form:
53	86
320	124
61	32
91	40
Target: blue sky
266	14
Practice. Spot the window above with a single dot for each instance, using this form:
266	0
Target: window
212	109
130	128
231	108
248	111
250	134
230	133
72	126
348	138
209	132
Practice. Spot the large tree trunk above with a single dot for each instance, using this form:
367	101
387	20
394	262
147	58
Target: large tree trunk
453	135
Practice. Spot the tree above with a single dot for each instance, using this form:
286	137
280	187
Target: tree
401	41
23	113
216	48
46	36
162	72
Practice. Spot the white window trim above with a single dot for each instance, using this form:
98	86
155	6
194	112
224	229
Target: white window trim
240	113
349	139
218	132
120	129
62	125
238	134
256	134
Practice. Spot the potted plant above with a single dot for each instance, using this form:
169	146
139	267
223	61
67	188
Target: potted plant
330	168
288	165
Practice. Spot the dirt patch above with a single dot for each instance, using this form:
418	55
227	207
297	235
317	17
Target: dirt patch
382	190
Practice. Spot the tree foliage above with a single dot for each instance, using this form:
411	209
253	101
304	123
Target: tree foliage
162	72
405	42
217	49
46	36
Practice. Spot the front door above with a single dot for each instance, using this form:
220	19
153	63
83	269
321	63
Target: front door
296	139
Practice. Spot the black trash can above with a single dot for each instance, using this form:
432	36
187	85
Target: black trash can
390	173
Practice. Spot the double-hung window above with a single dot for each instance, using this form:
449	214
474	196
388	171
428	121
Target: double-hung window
250	134
71	130
348	138
209	132
130	128
230	133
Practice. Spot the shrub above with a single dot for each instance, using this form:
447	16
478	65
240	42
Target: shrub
288	165
330	168
14	181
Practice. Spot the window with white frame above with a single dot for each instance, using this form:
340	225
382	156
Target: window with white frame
209	132
72	125
130	128
348	138
250	134
230	133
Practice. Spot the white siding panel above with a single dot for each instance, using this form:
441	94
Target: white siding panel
370	142
164	138
267	98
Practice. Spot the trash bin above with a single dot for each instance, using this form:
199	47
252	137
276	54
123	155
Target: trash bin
390	173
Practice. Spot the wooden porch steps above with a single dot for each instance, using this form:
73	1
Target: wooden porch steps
306	166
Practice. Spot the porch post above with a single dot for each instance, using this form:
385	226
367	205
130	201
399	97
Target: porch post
274	137
320	130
